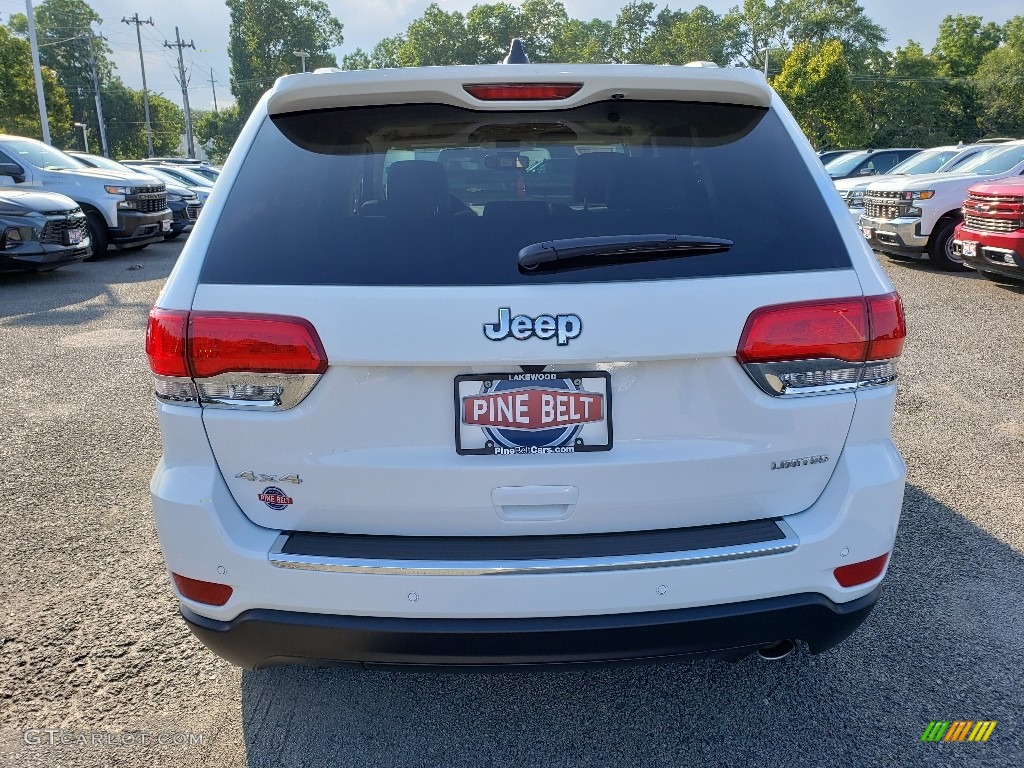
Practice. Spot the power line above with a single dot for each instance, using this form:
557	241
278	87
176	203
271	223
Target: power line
183	80
145	90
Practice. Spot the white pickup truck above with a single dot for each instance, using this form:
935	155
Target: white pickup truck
123	209
915	216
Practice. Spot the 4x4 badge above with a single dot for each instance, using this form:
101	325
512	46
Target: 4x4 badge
563	328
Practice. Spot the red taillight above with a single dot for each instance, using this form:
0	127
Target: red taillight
233	360
222	343
208	592
855	574
835	328
855	330
165	342
888	326
815	347
522	91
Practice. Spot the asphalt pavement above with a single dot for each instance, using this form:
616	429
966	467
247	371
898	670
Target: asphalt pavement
97	669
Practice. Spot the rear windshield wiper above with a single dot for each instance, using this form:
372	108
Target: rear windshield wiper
576	252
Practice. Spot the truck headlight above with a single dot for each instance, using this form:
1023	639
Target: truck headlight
112	189
927	194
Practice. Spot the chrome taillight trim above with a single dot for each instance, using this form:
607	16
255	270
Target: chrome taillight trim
776	379
256	391
242	390
176	390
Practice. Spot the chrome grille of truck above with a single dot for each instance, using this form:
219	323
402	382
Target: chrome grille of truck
986	224
148	199
978	198
885	205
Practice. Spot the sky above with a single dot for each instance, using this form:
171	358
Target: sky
366	21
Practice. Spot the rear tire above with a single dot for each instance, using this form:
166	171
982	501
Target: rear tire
98	234
940	250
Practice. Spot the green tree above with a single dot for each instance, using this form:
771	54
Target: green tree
437	38
218	131
632	32
697	35
19	111
784	24
126	122
1000	80
815	84
358	59
64	32
909	102
963	42
264	34
583	42
489	29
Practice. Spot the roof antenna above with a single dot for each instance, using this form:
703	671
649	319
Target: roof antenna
516	54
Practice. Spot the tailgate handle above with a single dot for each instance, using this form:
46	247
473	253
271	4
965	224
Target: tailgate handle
535	502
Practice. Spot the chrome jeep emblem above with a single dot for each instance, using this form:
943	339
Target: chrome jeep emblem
562	328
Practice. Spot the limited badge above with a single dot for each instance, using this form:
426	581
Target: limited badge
275	498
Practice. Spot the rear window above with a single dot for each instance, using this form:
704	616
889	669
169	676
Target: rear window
438	195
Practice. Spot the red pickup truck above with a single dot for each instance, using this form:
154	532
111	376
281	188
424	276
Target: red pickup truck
991	237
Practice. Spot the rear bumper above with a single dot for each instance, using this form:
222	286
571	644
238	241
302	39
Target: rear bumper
263	638
281	613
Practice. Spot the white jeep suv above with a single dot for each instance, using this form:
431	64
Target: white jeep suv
528	367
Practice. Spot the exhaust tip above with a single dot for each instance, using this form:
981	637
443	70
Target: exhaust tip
777	651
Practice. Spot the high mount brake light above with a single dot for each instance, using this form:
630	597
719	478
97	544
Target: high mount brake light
521	91
230	360
817	347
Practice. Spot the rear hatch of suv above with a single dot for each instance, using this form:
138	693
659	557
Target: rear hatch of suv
504	358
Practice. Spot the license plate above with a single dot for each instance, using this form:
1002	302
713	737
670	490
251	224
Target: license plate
969	248
868	232
166	223
532	414
73	236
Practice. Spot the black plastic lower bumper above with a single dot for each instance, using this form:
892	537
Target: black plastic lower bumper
265	638
1010	271
135	229
39	257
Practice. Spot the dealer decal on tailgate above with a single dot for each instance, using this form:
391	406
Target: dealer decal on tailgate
533	413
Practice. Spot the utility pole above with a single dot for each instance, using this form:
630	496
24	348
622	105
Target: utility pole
44	120
184	88
145	90
213	84
96	91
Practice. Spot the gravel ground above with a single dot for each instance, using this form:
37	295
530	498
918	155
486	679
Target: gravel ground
97	669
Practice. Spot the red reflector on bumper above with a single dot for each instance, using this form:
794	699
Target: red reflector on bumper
207	592
855	574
